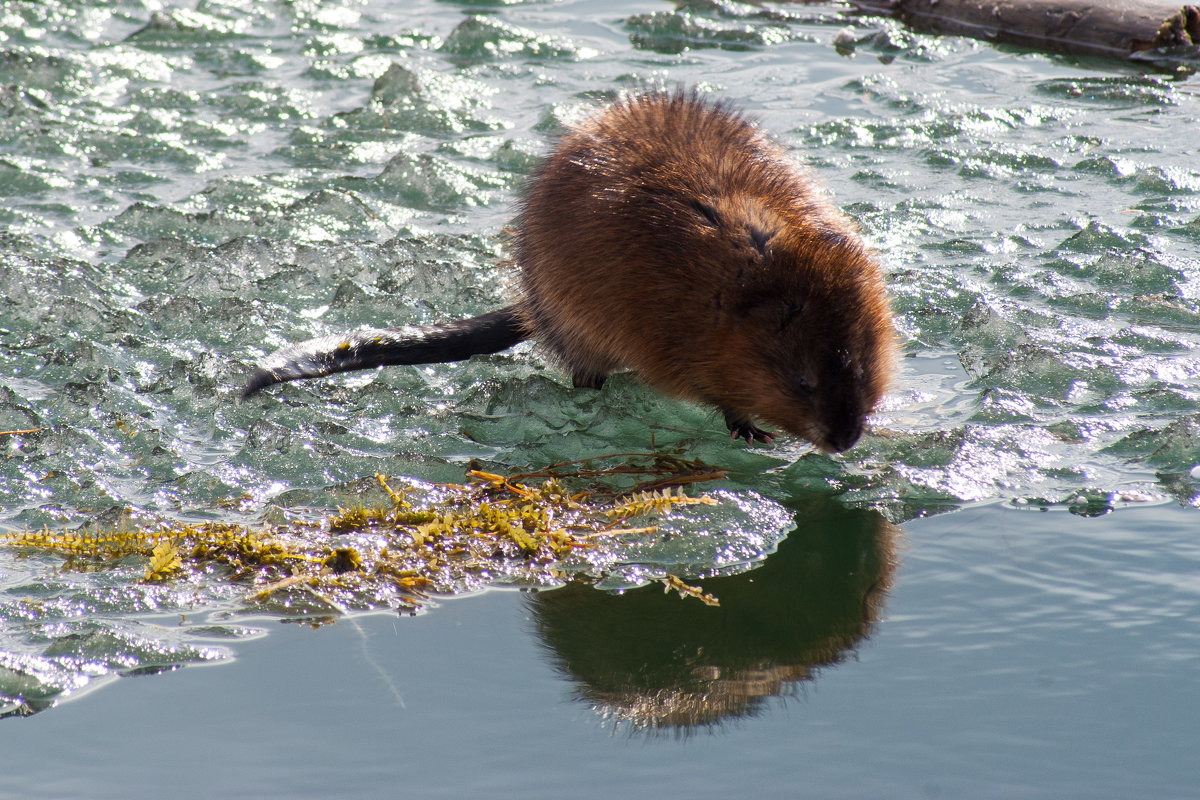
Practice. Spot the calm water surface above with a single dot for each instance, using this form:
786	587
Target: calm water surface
996	594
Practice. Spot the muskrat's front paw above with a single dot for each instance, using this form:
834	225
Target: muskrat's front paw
741	428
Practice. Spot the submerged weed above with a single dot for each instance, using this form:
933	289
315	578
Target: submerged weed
399	552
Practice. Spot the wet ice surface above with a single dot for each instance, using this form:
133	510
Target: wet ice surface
188	188
176	211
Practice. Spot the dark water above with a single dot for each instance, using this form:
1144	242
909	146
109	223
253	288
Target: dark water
1022	654
186	187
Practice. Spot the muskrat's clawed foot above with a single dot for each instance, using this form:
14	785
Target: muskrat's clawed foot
751	434
586	380
742	428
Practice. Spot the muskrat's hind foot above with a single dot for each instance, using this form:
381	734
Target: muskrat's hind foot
742	428
584	380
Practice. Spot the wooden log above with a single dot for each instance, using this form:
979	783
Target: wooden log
1110	28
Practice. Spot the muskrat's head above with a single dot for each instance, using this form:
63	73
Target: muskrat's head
807	341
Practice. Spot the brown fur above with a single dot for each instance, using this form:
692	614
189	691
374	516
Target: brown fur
669	237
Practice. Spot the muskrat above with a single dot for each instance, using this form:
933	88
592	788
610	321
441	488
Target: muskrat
669	237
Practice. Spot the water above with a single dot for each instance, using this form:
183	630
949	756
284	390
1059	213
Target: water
1020	654
187	187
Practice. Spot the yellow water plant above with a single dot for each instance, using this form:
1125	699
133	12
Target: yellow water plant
523	529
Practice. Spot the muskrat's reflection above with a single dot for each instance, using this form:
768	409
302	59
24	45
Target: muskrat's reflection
656	661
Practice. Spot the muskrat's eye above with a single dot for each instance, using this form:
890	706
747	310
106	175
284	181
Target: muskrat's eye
843	362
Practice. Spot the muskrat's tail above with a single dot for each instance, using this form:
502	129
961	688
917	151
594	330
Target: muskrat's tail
378	347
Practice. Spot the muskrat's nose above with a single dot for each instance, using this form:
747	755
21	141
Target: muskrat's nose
842	439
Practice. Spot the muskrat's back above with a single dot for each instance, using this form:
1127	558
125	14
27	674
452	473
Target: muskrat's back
669	237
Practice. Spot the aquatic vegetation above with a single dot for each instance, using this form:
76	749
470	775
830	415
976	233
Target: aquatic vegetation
374	543
414	542
670	582
650	502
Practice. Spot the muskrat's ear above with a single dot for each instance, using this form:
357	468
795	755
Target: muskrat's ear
760	238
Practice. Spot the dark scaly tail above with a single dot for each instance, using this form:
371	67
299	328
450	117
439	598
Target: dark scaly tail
378	347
